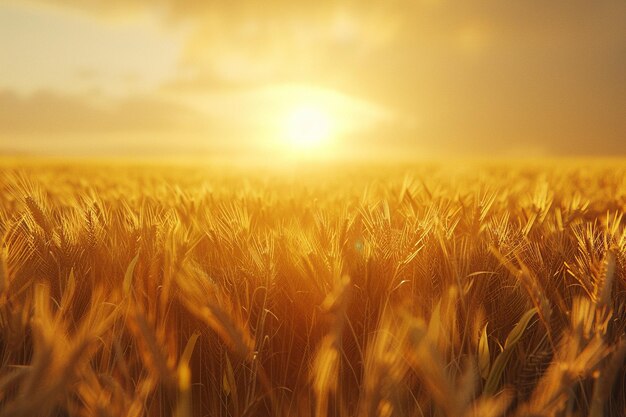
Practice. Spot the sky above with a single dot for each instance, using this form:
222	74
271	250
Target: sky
418	77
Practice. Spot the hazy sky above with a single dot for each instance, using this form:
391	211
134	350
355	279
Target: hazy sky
432	76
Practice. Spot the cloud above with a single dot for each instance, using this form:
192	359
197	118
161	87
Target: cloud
46	111
55	123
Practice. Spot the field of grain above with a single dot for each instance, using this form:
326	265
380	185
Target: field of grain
428	290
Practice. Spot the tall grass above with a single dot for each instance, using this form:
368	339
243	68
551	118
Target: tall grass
414	291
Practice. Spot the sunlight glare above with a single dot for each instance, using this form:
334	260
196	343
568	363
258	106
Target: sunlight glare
307	126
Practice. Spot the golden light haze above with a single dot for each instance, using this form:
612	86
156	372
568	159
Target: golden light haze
223	77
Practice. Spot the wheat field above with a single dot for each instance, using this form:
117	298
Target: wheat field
433	289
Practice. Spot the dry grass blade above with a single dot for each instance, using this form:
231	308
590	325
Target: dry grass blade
493	380
484	358
606	379
325	372
4	270
127	285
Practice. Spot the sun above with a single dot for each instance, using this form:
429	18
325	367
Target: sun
307	126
